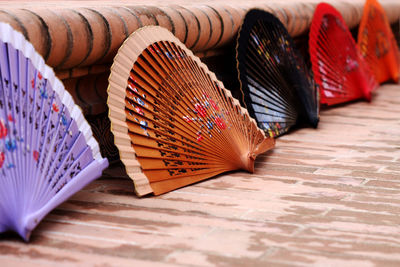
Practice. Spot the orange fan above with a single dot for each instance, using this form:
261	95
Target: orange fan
377	43
174	123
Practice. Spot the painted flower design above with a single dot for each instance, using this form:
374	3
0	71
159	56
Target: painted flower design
64	120
199	138
200	110
140	101
55	108
43	93
11	145
139	110
214	105
144	125
2	158
3	129
187	119
36	155
210	125
133	88
220	123
351	64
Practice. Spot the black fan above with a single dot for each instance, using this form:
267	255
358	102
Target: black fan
277	87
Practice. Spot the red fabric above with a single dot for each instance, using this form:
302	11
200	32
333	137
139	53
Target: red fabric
339	69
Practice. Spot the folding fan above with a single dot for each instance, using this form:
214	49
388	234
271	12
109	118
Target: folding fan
47	152
339	69
377	43
174	123
275	82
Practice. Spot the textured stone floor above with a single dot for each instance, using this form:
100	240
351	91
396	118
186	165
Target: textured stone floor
326	197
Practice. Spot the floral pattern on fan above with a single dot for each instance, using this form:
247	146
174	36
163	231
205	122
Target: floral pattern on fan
197	111
174	123
377	43
47	152
339	69
276	85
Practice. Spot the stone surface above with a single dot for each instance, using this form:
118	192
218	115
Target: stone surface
328	197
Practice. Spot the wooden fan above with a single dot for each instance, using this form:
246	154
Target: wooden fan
339	69
277	87
174	123
377	43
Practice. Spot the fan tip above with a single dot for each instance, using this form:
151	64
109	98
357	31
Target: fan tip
24	233
247	162
395	77
368	97
27	236
314	122
250	162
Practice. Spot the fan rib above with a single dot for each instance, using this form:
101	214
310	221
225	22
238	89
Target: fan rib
178	121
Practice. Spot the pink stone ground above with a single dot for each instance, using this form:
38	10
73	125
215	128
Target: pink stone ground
328	196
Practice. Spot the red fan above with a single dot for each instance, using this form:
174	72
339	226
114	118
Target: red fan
377	44
339	69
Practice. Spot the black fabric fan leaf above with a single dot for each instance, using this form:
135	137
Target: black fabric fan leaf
277	87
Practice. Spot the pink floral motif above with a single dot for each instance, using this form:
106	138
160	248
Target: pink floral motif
214	105
199	138
2	158
3	130
201	110
139	110
36	155
220	123
187	119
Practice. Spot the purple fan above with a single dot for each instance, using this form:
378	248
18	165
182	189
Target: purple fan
47	151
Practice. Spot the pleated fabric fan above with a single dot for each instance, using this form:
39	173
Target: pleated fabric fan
47	152
377	43
277	88
174	123
339	69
